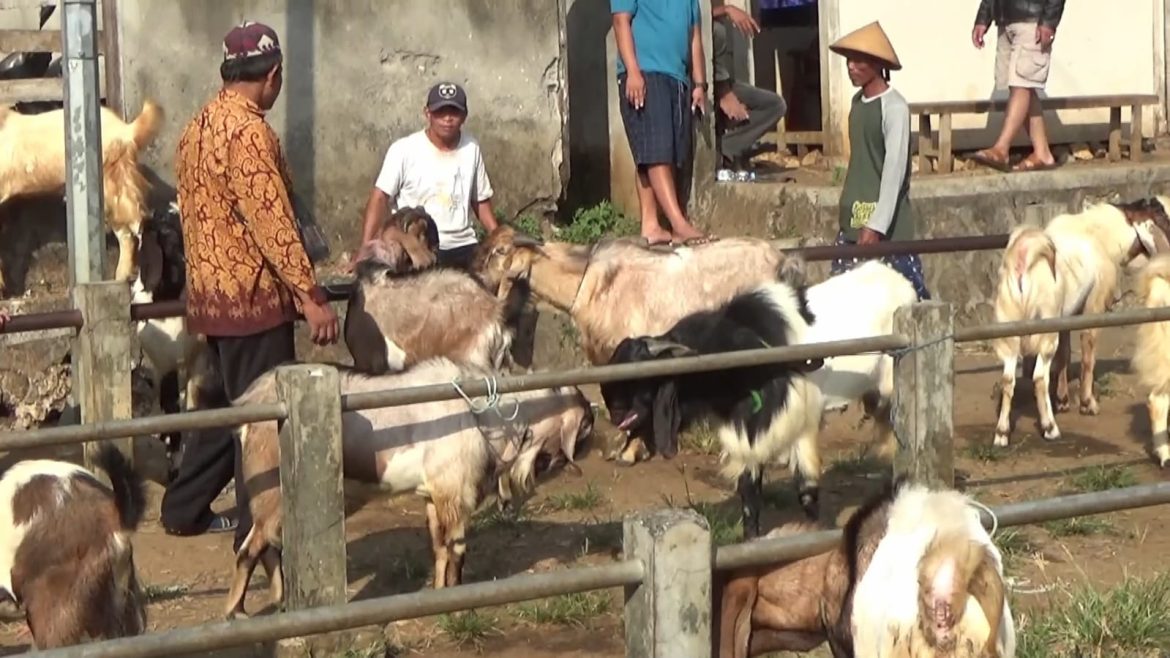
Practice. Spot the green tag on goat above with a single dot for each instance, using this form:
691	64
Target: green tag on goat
757	402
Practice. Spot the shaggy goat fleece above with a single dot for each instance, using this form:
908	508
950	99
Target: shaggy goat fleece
1151	354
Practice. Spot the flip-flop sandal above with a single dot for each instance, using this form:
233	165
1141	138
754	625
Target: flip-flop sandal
694	242
657	245
984	158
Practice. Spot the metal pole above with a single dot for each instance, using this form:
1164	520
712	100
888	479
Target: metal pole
83	139
328	619
762	552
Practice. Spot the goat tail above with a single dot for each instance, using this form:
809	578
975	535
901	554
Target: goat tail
1028	247
128	485
146	125
125	187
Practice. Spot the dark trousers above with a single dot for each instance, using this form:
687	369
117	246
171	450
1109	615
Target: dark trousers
765	109
459	257
211	458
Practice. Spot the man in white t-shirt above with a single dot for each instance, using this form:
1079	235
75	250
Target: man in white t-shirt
441	169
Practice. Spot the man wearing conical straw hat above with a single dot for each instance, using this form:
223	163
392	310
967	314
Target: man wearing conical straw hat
875	200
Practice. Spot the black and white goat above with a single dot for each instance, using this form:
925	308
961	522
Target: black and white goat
764	412
180	363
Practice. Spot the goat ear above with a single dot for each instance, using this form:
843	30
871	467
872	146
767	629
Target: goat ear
657	347
667	419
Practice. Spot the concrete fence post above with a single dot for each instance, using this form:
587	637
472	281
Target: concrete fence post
924	382
101	359
669	614
313	497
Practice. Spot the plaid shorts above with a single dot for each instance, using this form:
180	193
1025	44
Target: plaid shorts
908	265
661	131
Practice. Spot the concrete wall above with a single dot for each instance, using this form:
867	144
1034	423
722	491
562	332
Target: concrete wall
356	77
1097	51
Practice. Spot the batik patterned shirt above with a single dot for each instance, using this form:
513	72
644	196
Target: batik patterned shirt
244	251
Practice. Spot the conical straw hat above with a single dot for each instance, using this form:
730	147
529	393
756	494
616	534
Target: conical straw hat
868	40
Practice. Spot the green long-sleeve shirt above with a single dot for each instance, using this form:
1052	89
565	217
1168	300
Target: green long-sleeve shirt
876	194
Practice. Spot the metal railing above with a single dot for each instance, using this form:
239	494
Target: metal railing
922	343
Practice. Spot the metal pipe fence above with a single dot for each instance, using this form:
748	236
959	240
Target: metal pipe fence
338	291
516	589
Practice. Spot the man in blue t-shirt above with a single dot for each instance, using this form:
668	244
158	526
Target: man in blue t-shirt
658	42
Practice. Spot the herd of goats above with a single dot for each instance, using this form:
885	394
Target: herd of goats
915	574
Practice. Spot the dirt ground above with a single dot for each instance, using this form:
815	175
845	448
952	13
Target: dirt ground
575	521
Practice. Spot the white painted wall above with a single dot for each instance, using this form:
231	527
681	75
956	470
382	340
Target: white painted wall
1098	50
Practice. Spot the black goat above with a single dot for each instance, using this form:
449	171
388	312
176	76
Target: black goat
760	409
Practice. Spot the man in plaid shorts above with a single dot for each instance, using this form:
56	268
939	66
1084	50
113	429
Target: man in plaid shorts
658	42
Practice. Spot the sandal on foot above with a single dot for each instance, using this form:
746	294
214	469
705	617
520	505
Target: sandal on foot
694	242
985	157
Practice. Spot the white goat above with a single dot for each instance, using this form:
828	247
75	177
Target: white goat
436	450
65	550
934	586
1151	354
1069	268
32	162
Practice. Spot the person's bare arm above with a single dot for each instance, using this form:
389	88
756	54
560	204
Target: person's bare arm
376	208
698	70
486	215
623	35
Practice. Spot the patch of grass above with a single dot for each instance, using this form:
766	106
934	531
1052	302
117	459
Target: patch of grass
1080	526
1105	386
588	499
1103	478
1128	620
591	224
700	439
726	525
377	650
165	592
858	464
469	628
492	517
1014	544
566	610
984	452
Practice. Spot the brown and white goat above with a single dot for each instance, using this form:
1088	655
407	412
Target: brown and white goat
435	449
915	575
66	555
32	162
407	240
1151	354
1070	267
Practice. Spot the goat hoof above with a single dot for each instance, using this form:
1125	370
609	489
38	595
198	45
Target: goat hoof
1051	433
810	503
1090	407
236	614
1062	405
1000	440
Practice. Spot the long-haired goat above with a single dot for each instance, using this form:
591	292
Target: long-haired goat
619	288
408	239
763	412
66	555
32	162
395	319
1151	354
435	449
915	575
1070	267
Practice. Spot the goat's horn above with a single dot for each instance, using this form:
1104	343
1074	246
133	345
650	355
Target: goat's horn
525	240
657	347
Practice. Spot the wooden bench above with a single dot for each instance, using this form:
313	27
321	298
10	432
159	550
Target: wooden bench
941	148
